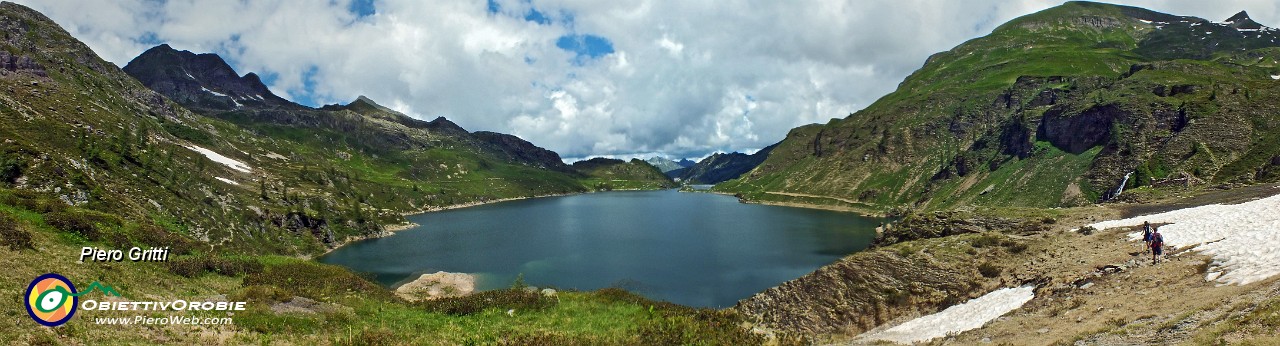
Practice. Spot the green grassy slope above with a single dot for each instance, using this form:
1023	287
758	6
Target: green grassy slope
610	174
1050	109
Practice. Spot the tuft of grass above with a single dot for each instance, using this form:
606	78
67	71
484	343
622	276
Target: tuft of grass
315	280
195	266
371	337
12	235
987	240
1016	247
989	270
505	299
84	223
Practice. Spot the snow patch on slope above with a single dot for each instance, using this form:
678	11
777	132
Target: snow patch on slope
228	181
1243	239
213	92
969	315
216	157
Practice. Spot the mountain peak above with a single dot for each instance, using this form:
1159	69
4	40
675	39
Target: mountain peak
1243	15
162	48
365	101
364	104
444	125
201	80
1242	21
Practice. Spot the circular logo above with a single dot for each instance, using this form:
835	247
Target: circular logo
51	299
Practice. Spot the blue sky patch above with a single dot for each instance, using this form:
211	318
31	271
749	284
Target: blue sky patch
362	8
308	95
585	46
533	15
149	38
537	17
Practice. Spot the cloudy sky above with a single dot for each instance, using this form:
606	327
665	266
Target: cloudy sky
681	78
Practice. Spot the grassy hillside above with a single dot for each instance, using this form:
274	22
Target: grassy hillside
1051	109
605	174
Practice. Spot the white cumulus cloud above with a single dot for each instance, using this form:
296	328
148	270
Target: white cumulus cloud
684	78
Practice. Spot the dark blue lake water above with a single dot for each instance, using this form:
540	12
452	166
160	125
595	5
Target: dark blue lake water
695	249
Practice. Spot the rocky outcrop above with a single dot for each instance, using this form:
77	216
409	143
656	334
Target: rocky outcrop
935	225
1076	133
20	63
862	291
437	285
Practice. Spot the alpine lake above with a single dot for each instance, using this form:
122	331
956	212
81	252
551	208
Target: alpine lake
695	249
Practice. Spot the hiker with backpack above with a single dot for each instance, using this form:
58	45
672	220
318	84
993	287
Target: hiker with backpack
1146	236
1157	244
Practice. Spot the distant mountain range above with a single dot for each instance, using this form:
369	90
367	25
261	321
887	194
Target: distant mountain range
721	167
666	165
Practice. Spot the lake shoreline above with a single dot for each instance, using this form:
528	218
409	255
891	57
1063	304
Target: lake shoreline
432	209
392	229
859	211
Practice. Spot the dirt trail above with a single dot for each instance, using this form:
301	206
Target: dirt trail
792	194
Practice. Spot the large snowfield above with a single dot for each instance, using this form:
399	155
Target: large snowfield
969	315
216	157
1243	239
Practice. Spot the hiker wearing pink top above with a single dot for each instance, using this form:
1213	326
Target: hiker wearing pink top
1157	244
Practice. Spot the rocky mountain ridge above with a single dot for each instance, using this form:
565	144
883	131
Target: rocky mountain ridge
201	81
720	167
